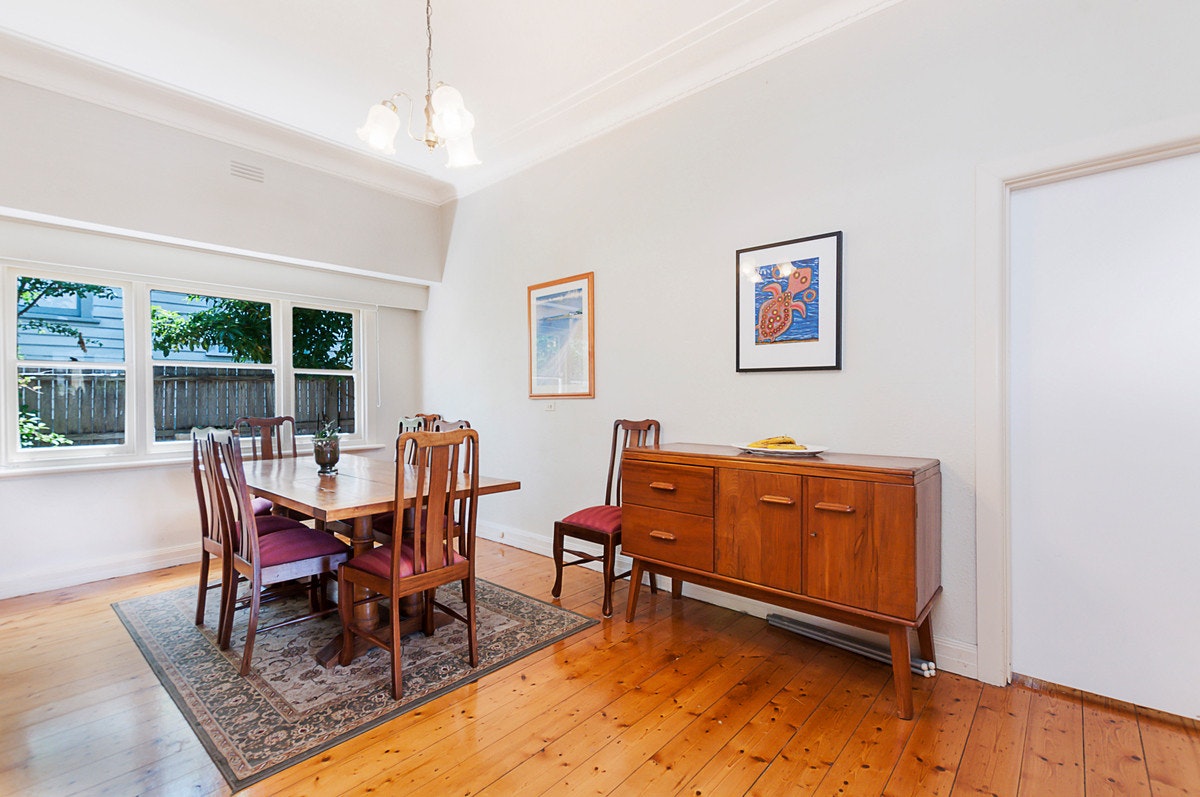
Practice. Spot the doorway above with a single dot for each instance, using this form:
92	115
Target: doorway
1104	424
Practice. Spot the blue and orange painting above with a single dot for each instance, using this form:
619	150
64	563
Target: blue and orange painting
785	302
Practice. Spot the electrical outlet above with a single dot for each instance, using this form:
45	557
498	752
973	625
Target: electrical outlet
548	406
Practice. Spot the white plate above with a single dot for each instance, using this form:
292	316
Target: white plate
784	452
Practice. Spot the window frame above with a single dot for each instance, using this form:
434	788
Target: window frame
140	444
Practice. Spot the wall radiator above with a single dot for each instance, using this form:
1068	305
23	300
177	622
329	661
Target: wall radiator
919	666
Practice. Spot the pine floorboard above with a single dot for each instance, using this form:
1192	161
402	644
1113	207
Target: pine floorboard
689	699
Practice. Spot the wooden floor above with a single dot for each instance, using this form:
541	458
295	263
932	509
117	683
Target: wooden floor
689	699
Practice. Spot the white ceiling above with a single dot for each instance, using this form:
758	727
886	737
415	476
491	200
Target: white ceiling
293	78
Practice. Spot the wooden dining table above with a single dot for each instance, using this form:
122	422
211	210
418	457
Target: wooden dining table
364	486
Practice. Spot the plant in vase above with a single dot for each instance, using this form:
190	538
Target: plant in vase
325	448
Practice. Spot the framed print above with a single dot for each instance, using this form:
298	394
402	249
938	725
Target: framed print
789	305
562	361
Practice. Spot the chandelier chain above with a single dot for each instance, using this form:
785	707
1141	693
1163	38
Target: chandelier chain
428	47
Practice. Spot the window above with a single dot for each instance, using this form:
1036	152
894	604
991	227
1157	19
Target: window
224	355
323	363
63	398
122	367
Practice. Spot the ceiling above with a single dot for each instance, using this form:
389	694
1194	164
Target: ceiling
293	78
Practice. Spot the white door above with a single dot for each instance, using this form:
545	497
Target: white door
1105	433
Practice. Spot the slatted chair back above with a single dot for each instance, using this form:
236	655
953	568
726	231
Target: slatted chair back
443	461
236	508
414	424
626	433
211	529
270	438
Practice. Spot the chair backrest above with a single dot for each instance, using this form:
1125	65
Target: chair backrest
267	436
206	485
429	418
443	482
237	513
446	425
629	433
414	424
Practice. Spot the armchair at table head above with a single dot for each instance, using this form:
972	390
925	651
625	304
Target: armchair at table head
426	560
601	524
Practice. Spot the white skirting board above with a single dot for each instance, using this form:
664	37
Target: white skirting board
27	583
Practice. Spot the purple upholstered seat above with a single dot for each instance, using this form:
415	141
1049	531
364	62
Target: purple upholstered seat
604	519
261	506
378	561
294	545
266	524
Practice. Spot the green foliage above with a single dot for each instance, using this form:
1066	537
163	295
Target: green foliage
327	431
241	327
322	339
33	430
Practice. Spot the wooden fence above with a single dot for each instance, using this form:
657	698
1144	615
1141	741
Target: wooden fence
88	406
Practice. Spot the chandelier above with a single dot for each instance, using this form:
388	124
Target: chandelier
447	121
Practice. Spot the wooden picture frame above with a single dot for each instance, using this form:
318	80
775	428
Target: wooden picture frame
562	362
789	305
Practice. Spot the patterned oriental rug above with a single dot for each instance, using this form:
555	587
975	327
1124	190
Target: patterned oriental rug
290	708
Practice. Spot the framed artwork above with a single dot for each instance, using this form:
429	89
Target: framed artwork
789	305
562	361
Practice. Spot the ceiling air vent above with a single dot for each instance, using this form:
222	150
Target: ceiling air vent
246	171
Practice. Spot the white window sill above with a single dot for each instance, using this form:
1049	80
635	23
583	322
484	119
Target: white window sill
26	469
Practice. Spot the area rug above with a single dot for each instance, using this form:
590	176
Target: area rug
290	707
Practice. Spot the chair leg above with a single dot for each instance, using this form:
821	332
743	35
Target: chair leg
251	627
346	614
229	590
427	626
610	563
556	590
397	675
203	587
472	646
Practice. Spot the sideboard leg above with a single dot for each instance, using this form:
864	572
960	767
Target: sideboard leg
901	671
676	588
925	637
635	586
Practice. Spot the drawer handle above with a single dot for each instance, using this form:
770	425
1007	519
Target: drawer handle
665	486
777	499
662	535
825	506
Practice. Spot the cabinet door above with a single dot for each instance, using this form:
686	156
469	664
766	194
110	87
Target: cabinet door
758	534
859	545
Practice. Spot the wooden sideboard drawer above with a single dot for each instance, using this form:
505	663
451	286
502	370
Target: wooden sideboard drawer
674	537
679	488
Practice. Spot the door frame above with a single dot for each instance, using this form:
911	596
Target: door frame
994	184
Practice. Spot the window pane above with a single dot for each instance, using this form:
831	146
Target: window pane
321	398
187	396
322	339
187	327
69	321
70	407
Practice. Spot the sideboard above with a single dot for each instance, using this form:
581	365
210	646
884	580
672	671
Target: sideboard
848	537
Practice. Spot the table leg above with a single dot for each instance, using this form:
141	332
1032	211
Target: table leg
362	540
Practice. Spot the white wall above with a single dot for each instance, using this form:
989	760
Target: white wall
1105	363
875	130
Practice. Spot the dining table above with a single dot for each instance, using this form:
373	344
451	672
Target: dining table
362	487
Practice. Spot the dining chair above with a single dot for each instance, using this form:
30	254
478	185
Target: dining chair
601	525
425	560
381	524
297	552
267	440
212	538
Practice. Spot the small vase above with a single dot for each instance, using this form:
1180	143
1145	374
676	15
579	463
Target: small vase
326	453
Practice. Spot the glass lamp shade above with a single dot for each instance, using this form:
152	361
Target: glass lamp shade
461	152
379	131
